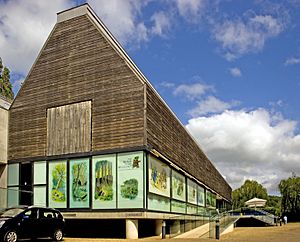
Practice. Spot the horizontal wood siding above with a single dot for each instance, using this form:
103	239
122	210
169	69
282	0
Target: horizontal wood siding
78	64
166	135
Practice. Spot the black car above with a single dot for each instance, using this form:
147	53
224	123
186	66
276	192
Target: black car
31	222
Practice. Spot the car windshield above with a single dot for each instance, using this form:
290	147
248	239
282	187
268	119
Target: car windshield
12	212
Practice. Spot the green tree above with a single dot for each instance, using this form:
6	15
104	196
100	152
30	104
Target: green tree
248	190
5	85
290	192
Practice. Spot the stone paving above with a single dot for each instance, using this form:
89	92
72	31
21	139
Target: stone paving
285	233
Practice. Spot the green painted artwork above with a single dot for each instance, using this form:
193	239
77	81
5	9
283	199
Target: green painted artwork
130	180
129	189
178	186
103	181
79	183
57	184
159	177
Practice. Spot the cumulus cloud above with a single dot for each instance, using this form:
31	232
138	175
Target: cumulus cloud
249	145
211	105
24	27
162	23
192	91
292	61
122	18
239	36
236	72
190	9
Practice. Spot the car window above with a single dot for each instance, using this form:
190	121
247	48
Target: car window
31	213
47	214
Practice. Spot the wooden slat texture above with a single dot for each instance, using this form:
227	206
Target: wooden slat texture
76	65
166	135
69	129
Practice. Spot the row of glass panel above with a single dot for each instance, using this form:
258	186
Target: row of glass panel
117	181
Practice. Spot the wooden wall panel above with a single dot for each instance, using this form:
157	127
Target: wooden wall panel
76	65
69	129
166	135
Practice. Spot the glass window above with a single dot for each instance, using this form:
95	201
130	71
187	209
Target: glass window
104	181
158	203
13	174
79	183
130	180
39	195
178	207
57	184
12	196
39	173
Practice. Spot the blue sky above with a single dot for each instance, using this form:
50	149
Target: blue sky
230	70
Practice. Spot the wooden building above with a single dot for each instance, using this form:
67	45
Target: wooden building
90	135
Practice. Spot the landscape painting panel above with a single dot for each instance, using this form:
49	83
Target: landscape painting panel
104	181
58	184
192	192
159	177
79	183
178	186
201	196
130	180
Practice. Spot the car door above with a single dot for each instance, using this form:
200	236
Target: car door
46	222
29	224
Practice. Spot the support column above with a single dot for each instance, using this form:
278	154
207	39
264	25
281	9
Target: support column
158	226
132	228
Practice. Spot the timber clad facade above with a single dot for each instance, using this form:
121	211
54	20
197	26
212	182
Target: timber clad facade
83	98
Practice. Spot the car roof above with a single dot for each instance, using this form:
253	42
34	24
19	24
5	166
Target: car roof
33	206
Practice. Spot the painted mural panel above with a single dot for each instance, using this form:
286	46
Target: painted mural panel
104	181
201	196
178	186
208	198
79	183
159	177
130	180
57	184
192	191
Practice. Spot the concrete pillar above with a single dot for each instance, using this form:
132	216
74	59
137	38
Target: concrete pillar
132	228
176	227
158	226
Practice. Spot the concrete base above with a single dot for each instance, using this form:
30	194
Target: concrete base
201	231
229	229
132	228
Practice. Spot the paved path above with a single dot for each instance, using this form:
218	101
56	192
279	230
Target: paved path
286	233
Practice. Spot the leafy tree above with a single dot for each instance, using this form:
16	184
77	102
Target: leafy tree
273	205
5	85
290	191
247	191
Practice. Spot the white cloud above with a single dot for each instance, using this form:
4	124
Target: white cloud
24	27
122	18
191	9
239	37
292	61
192	91
249	145
211	105
236	72
162	23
